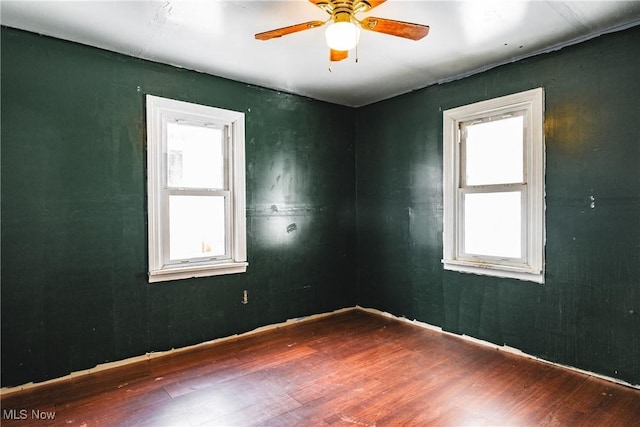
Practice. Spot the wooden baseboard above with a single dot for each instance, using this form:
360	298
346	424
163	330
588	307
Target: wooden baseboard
113	374
138	366
504	348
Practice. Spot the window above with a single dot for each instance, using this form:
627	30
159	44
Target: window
494	187
196	190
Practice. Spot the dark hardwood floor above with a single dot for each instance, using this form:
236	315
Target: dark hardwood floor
350	369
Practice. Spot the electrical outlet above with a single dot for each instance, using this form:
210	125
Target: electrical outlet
245	297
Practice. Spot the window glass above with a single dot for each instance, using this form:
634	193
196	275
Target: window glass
492	224
196	226
195	156
494	151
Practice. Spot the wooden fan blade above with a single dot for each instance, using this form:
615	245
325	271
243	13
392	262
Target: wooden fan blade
395	28
319	3
323	4
374	3
338	55
288	30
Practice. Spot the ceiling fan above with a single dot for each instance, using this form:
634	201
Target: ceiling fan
343	33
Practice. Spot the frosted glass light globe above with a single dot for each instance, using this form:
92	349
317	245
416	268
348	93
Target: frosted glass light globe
342	35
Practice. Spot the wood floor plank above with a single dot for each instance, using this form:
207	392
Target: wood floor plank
352	368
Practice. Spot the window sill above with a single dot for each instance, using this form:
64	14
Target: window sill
494	270
189	272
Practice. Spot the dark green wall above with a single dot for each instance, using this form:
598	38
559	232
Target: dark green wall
587	314
74	289
74	237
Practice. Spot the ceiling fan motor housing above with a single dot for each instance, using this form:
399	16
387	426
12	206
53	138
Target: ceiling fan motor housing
343	10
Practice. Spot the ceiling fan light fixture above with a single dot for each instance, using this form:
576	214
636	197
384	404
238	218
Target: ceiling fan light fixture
343	35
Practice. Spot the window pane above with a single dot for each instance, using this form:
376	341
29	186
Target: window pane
492	224
196	226
195	156
494	152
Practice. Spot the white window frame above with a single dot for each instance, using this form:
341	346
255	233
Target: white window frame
531	265
161	111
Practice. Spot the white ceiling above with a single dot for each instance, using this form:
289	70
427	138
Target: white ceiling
217	37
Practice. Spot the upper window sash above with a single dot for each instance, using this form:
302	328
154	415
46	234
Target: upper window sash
463	137
225	142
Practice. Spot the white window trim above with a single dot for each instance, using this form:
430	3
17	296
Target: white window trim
159	112
532	101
